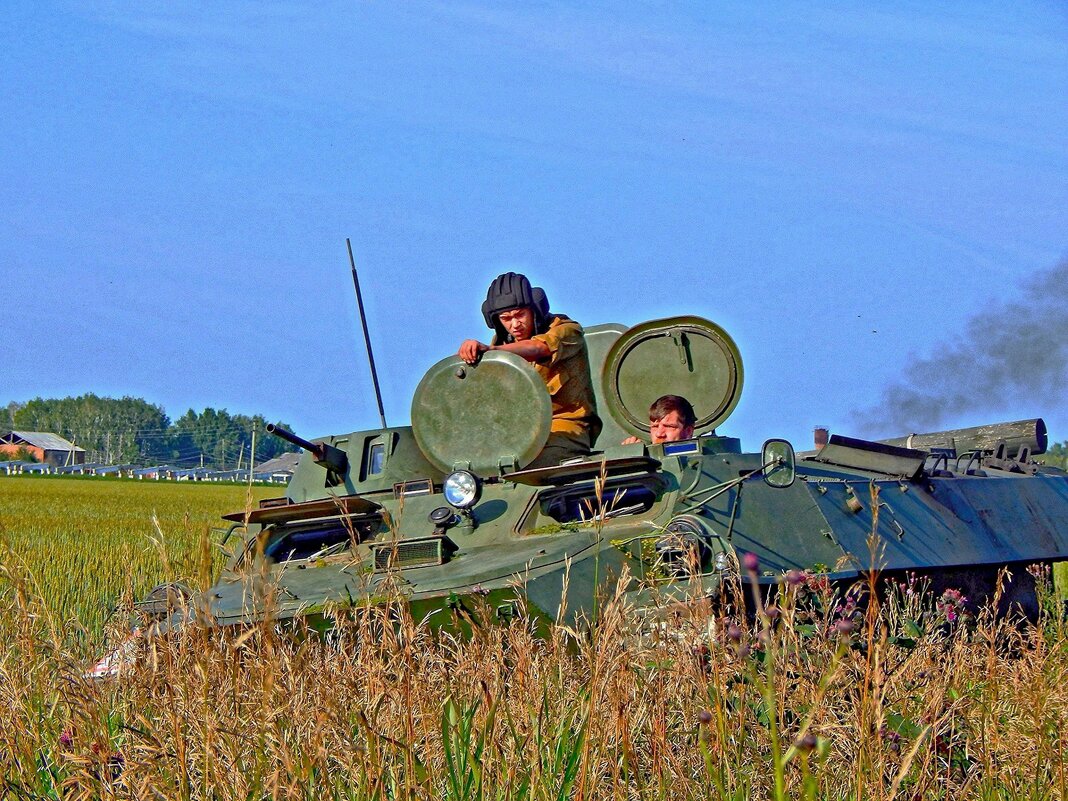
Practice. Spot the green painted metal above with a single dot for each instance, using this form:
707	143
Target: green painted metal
599	340
484	415
687	356
327	544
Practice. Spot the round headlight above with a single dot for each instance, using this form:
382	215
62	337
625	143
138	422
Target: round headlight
462	489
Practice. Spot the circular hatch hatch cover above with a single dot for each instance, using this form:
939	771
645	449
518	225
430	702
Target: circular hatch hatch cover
688	356
484	413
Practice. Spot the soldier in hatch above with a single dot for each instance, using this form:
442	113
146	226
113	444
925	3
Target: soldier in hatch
671	418
554	344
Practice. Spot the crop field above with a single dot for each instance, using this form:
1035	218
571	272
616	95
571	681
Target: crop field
84	544
815	695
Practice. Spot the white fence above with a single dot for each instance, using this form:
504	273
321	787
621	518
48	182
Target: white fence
157	473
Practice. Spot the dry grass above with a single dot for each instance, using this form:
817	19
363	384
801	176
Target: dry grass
815	698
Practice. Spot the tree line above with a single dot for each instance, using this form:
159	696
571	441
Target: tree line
133	431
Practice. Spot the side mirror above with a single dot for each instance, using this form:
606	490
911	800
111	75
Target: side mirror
780	468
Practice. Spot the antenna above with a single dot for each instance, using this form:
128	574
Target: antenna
366	336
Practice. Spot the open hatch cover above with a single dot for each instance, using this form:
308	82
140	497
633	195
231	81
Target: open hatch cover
688	356
487	415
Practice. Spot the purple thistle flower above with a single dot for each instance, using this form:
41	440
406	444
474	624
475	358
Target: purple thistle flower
845	626
751	562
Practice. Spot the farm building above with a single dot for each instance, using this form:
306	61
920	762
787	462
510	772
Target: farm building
281	466
47	448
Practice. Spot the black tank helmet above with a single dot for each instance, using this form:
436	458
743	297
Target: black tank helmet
512	291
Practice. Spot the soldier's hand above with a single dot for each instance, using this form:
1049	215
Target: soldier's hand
471	350
630	441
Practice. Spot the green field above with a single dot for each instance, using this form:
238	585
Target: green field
812	699
85	543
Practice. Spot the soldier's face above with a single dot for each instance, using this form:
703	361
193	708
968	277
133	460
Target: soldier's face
518	322
669	428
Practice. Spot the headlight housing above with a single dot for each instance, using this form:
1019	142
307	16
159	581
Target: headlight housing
684	548
462	489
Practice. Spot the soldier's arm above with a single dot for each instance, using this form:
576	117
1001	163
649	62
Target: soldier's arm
533	350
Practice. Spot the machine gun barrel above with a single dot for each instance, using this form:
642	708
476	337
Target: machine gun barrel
1021	433
291	438
333	459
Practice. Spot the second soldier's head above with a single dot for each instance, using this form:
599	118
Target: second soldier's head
671	418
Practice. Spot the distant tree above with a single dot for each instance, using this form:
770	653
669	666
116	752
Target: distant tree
109	429
223	439
9	420
1056	455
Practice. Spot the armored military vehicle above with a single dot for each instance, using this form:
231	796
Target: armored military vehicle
446	509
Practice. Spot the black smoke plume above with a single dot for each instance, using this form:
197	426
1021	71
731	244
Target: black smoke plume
1011	348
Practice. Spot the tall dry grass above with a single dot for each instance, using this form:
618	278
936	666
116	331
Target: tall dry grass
815	698
816	695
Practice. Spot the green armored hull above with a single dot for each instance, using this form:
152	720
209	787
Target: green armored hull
444	511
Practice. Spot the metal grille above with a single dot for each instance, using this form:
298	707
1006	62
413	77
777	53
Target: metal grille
409	553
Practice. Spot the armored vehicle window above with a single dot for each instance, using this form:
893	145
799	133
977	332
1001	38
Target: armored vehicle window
374	455
376	458
304	543
620	500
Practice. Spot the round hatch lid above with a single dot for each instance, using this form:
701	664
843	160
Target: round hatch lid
687	356
485	414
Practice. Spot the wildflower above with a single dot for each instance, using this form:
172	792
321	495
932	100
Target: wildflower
951	605
807	743
66	739
772	612
704	717
817	582
891	738
734	634
845	626
751	562
795	578
1039	572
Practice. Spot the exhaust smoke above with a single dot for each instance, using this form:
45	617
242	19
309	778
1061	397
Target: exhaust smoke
1011	348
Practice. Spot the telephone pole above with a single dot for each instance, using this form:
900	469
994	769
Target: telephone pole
252	454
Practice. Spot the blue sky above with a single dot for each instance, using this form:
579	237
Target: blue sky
848	190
